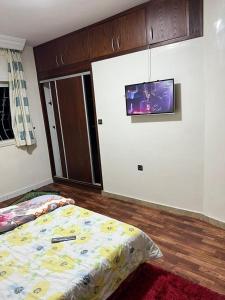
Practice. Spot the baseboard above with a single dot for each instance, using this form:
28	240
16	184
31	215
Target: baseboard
25	190
170	209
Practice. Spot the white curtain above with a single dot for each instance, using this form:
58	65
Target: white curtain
19	104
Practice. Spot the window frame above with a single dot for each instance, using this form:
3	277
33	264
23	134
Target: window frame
9	142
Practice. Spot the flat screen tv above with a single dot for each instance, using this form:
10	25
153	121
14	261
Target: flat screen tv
155	97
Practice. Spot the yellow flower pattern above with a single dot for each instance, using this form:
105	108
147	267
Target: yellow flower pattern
5	272
19	239
44	219
114	256
104	252
67	230
3	254
83	238
24	269
109	226
85	213
54	249
38	291
68	211
107	252
59	264
131	230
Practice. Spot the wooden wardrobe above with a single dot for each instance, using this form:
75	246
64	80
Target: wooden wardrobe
70	113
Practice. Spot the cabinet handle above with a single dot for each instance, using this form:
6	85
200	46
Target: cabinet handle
113	45
56	60
61	57
152	33
118	42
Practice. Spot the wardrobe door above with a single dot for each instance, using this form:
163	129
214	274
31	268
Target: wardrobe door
53	130
74	127
47	56
166	20
101	40
75	48
130	31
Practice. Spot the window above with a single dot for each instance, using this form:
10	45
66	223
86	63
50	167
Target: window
6	132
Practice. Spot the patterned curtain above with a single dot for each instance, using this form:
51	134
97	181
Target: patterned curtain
19	104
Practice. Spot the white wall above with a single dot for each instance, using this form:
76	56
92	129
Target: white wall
169	147
22	170
214	50
176	151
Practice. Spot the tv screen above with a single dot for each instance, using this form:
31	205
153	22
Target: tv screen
156	97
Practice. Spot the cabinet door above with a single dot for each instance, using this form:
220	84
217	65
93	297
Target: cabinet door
74	127
74	47
166	20
130	31
46	56
101	39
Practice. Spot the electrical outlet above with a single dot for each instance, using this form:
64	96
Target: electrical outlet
140	168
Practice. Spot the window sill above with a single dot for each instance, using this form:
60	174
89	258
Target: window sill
7	143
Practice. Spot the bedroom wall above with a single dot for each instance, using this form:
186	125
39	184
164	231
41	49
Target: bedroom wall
169	147
178	151
214	196
22	170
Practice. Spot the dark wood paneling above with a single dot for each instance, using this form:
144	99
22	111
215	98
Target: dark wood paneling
130	31
195	9
120	35
118	53
74	126
75	48
47	56
65	70
101	39
166	19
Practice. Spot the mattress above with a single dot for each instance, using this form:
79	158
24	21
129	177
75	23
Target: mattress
104	253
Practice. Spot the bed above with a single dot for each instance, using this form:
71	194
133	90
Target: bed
92	267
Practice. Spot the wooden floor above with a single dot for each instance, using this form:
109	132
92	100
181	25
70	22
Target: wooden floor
191	248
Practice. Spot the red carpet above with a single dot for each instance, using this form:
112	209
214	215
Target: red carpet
152	283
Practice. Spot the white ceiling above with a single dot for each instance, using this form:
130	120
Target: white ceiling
39	21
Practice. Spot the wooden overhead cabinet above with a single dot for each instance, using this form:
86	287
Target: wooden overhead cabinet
67	50
120	34
74	47
166	20
130	31
47	56
101	39
155	23
173	20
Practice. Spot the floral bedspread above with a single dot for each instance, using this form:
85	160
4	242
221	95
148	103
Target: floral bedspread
15	215
104	253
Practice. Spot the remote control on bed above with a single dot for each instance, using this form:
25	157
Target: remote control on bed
63	239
